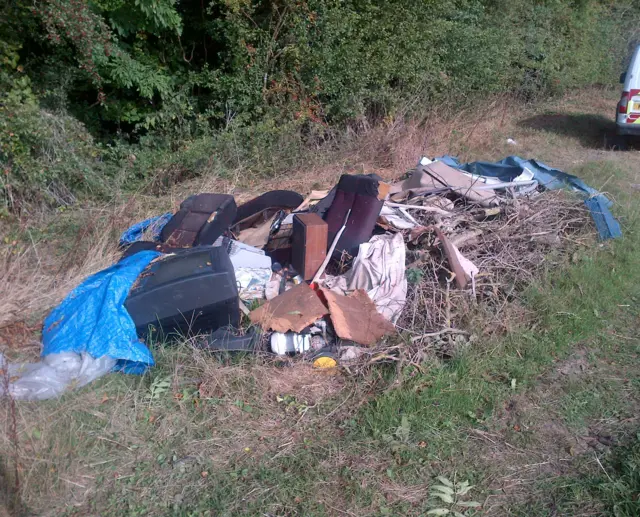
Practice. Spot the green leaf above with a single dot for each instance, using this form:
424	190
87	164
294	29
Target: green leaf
469	504
159	387
445	497
513	384
463	491
458	514
444	489
414	275
403	432
439	511
445	481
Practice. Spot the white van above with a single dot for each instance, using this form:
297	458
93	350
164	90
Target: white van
628	116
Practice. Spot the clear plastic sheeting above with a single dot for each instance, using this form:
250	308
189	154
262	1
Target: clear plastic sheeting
53	375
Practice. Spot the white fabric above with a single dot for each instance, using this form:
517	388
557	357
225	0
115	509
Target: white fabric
379	270
273	288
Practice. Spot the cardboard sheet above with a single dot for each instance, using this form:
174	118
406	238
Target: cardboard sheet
438	174
257	236
292	310
355	317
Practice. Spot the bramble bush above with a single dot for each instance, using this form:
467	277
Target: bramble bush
160	79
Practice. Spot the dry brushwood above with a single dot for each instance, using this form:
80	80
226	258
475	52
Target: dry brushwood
511	249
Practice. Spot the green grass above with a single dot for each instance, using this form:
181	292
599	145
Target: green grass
372	446
611	490
620	489
582	303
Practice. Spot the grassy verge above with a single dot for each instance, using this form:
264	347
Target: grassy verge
528	389
533	418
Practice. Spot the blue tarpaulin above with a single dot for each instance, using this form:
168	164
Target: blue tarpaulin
93	318
512	166
136	232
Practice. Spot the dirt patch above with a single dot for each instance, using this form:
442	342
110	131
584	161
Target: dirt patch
574	366
268	410
406	493
529	444
298	380
303	380
523	421
591	130
526	445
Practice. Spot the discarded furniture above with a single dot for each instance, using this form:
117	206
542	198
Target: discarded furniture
201	219
309	244
364	196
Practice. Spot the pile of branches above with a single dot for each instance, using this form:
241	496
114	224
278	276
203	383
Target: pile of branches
511	245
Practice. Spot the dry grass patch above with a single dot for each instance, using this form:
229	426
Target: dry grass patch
226	428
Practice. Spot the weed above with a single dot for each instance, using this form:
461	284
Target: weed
159	387
10	463
414	275
452	493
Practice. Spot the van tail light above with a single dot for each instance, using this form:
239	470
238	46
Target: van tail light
624	102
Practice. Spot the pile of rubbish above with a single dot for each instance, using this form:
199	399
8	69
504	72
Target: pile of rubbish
324	277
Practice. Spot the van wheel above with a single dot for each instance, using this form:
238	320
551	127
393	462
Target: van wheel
620	143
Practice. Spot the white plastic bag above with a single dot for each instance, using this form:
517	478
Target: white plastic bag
53	375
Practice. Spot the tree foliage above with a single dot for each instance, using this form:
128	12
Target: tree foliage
164	71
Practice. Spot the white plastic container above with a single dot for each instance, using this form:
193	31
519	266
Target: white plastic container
283	344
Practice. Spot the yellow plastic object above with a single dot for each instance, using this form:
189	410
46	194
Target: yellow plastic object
325	362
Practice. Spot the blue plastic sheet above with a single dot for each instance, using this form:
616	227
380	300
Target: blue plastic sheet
136	232
512	166
93	318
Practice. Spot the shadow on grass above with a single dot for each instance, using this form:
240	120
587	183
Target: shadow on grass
10	503
592	131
